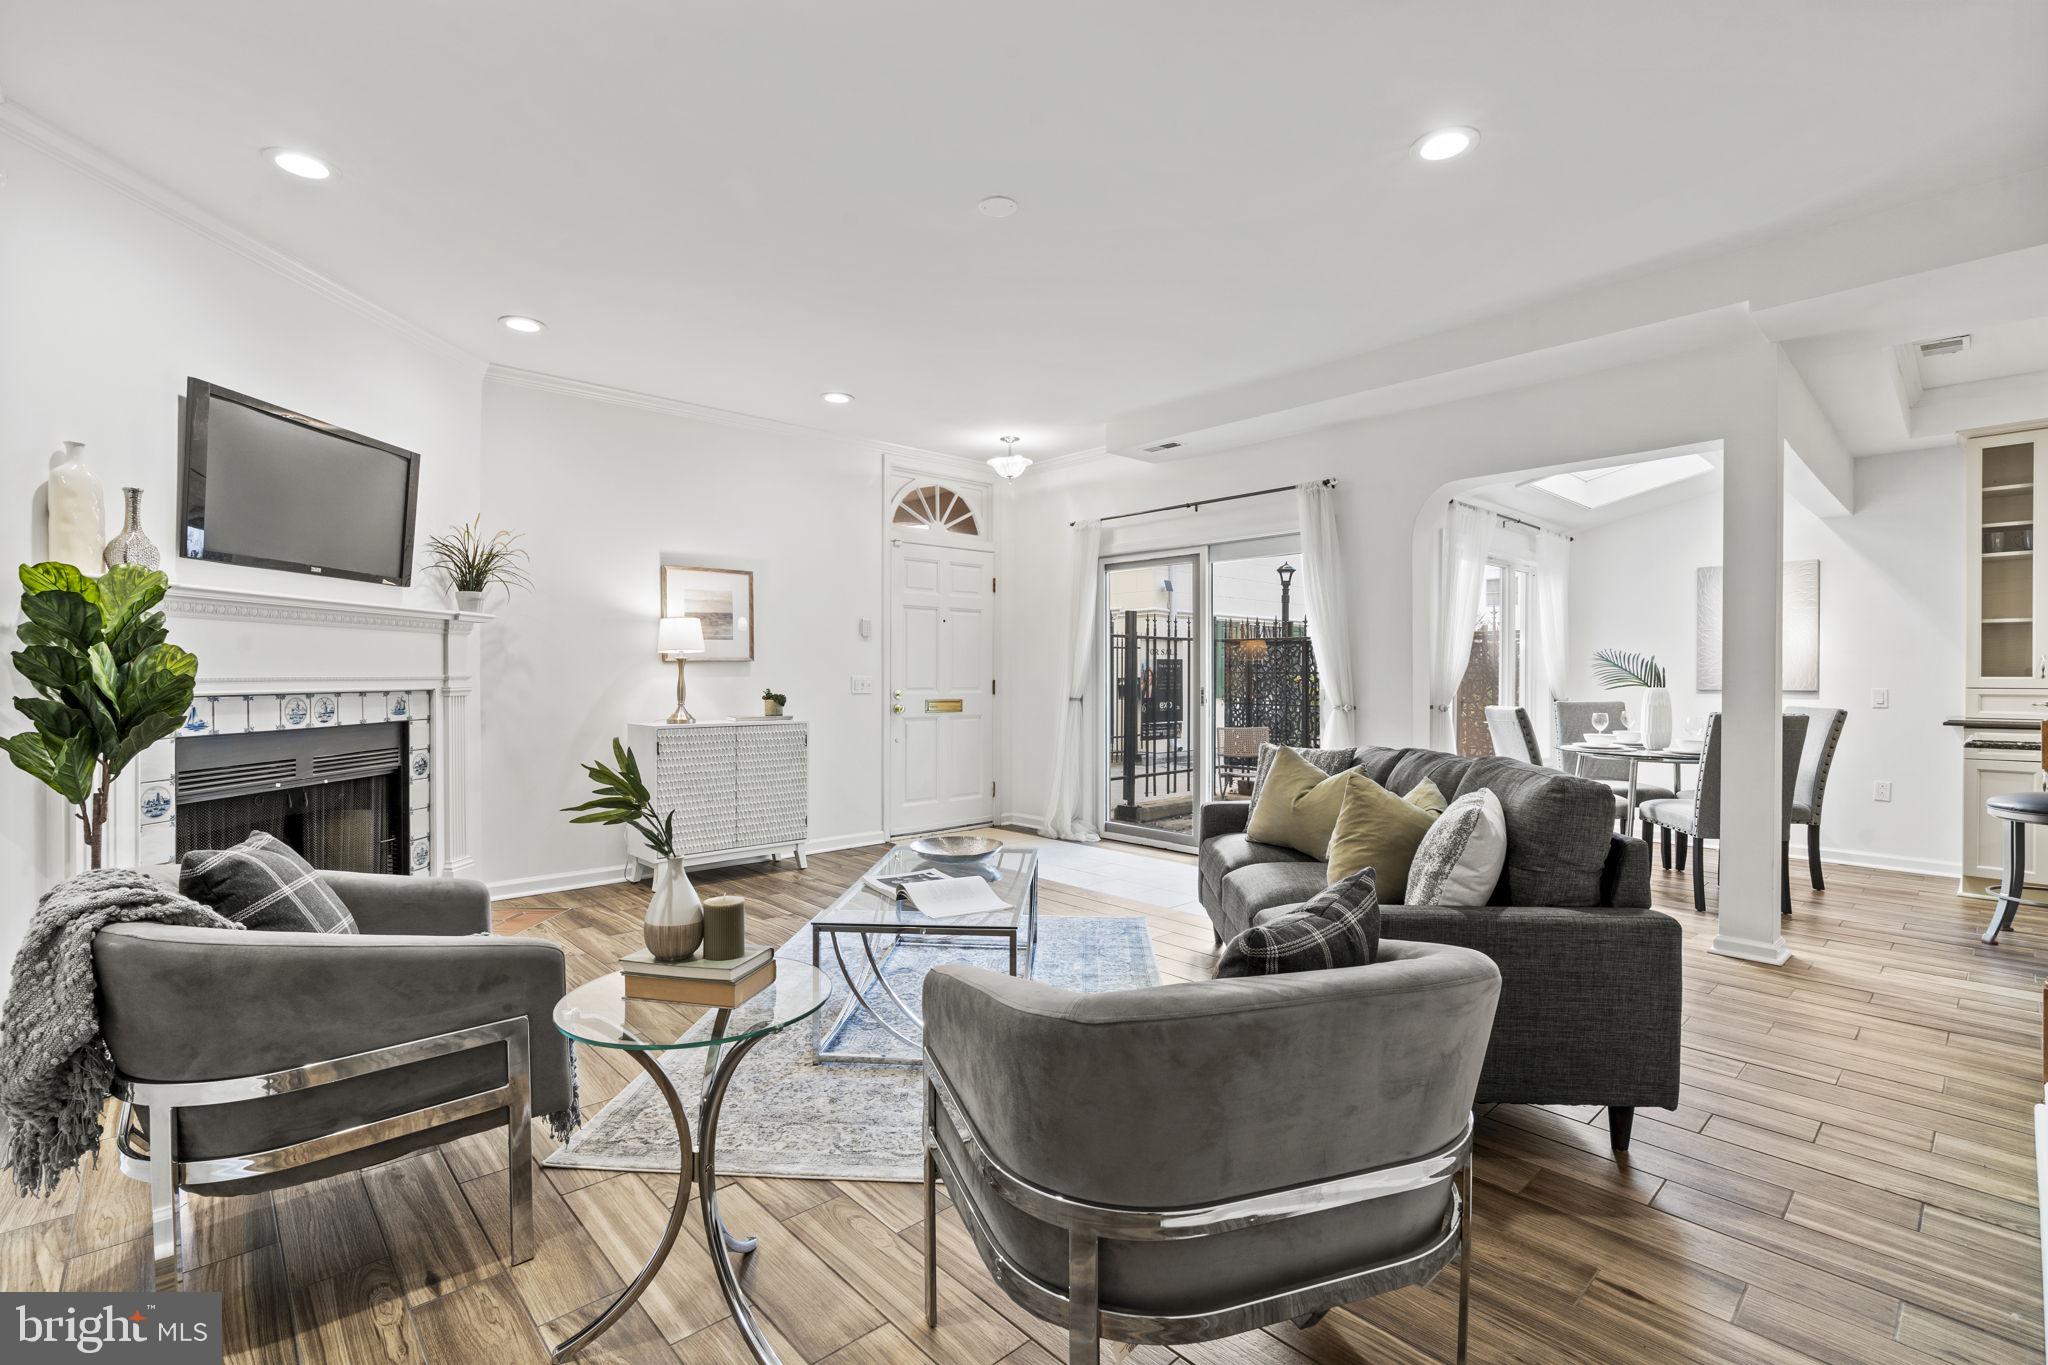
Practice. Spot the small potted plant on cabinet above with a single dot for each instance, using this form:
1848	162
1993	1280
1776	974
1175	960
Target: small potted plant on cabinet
772	702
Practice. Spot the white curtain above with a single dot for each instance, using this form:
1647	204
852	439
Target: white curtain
1550	666
1329	626
1076	812
1461	587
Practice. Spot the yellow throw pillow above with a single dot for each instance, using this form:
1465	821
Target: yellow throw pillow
1298	806
1380	830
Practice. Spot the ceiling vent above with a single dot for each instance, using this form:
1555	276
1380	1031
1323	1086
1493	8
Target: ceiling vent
1942	346
1163	445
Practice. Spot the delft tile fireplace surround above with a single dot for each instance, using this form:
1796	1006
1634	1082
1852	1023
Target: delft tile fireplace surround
272	662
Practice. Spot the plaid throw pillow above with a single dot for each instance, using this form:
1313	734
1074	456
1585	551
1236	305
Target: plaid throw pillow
262	883
1339	928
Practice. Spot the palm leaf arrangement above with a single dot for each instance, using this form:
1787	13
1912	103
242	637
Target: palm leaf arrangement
622	799
472	561
1614	669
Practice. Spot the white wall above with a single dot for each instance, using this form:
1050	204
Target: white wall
106	306
605	494
1891	616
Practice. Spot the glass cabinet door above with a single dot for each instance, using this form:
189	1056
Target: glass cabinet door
2007	580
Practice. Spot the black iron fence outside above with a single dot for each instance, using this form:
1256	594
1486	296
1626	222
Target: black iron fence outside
1267	693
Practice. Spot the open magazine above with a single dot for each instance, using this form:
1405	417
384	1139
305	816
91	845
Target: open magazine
932	892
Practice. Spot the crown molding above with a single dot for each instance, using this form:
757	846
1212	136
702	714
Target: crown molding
697	412
1072	457
42	136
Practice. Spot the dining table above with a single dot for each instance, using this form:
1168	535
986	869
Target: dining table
1635	755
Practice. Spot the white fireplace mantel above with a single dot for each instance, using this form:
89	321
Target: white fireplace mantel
280	661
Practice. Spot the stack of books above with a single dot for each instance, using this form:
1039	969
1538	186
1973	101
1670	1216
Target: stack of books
719	982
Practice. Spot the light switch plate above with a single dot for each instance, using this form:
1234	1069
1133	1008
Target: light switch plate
862	686
1880	697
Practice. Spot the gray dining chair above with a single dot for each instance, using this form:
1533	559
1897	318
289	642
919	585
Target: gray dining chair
1695	817
1513	733
1573	722
1187	1162
1823	737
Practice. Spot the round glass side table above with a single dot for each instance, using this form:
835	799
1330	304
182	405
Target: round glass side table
599	1014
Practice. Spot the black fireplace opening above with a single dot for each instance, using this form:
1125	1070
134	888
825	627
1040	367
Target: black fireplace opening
337	795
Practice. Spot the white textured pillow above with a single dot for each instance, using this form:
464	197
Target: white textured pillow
1459	860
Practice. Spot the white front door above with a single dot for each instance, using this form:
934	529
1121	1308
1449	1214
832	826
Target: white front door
941	687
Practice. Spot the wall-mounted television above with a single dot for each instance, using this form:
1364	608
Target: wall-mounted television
264	486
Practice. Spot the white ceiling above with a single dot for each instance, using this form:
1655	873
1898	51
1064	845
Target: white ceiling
745	205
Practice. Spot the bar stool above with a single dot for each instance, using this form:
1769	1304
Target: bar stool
2018	810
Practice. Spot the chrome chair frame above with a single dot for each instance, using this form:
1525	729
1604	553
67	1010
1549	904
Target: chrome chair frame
151	1155
1080	1308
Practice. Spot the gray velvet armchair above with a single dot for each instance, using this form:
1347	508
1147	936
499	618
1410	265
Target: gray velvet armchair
1193	1161
253	1060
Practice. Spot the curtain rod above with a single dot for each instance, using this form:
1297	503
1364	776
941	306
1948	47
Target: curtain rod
1460	502
1198	506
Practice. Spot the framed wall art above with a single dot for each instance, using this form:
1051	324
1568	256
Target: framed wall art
722	601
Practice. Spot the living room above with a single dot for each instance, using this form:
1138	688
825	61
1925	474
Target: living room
833	400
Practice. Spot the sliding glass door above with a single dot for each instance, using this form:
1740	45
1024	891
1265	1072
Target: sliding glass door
1152	647
1498	672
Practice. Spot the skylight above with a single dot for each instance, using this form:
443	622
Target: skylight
1593	488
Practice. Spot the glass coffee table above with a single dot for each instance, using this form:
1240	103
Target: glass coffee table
866	915
599	1014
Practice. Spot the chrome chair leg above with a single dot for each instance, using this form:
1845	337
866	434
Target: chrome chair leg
519	1149
163	1194
1464	1257
1084	1294
931	1212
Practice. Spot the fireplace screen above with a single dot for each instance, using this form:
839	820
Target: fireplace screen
335	795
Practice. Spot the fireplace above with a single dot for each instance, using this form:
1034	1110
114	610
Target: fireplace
337	795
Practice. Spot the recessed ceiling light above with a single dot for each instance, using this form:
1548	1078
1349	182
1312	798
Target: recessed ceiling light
997	206
1445	143
519	323
836	397
304	165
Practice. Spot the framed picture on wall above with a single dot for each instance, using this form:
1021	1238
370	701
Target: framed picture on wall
722	600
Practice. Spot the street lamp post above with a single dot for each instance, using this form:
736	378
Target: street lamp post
1286	572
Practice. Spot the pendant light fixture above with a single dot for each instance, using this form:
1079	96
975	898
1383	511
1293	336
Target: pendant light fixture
1010	464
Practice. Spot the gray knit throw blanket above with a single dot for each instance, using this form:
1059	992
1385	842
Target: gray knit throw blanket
55	1073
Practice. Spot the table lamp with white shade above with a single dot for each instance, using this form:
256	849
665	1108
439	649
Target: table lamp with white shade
678	638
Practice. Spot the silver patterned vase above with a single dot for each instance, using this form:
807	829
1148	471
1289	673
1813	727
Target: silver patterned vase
131	546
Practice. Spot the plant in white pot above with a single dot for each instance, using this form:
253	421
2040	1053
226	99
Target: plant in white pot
675	916
473	562
1614	670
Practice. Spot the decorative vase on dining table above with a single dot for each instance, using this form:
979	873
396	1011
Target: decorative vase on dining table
1655	721
675	915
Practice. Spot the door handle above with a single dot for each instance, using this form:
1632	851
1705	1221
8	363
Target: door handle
897	708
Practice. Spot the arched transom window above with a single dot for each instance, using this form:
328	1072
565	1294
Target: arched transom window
933	507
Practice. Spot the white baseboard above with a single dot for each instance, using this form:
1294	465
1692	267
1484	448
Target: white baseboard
1883	862
1022	823
551	882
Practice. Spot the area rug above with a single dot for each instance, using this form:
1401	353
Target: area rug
788	1114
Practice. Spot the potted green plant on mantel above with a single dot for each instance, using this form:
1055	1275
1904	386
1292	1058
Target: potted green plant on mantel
108	684
675	915
772	702
473	563
1614	670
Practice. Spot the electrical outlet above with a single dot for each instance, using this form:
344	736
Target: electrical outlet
862	686
1880	697
1881	791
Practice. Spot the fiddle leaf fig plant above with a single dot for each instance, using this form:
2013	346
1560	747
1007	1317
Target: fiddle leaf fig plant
107	682
623	799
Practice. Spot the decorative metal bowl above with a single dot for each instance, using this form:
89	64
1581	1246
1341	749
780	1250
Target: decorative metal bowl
956	848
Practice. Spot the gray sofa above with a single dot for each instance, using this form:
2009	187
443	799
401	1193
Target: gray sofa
1591	977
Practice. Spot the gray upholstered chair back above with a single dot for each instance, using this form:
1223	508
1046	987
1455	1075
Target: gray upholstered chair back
1823	735
1514	734
1707	795
1575	722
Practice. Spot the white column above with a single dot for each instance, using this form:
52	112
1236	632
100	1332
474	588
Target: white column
459	755
1752	587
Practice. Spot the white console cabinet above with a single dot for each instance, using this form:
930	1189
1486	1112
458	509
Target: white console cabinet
739	788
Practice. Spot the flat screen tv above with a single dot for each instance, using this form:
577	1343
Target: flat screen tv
268	487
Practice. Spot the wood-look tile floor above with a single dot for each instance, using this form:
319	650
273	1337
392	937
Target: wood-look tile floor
1849	1177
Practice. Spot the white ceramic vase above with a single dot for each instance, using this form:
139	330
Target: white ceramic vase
1655	721
469	601
675	915
78	511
